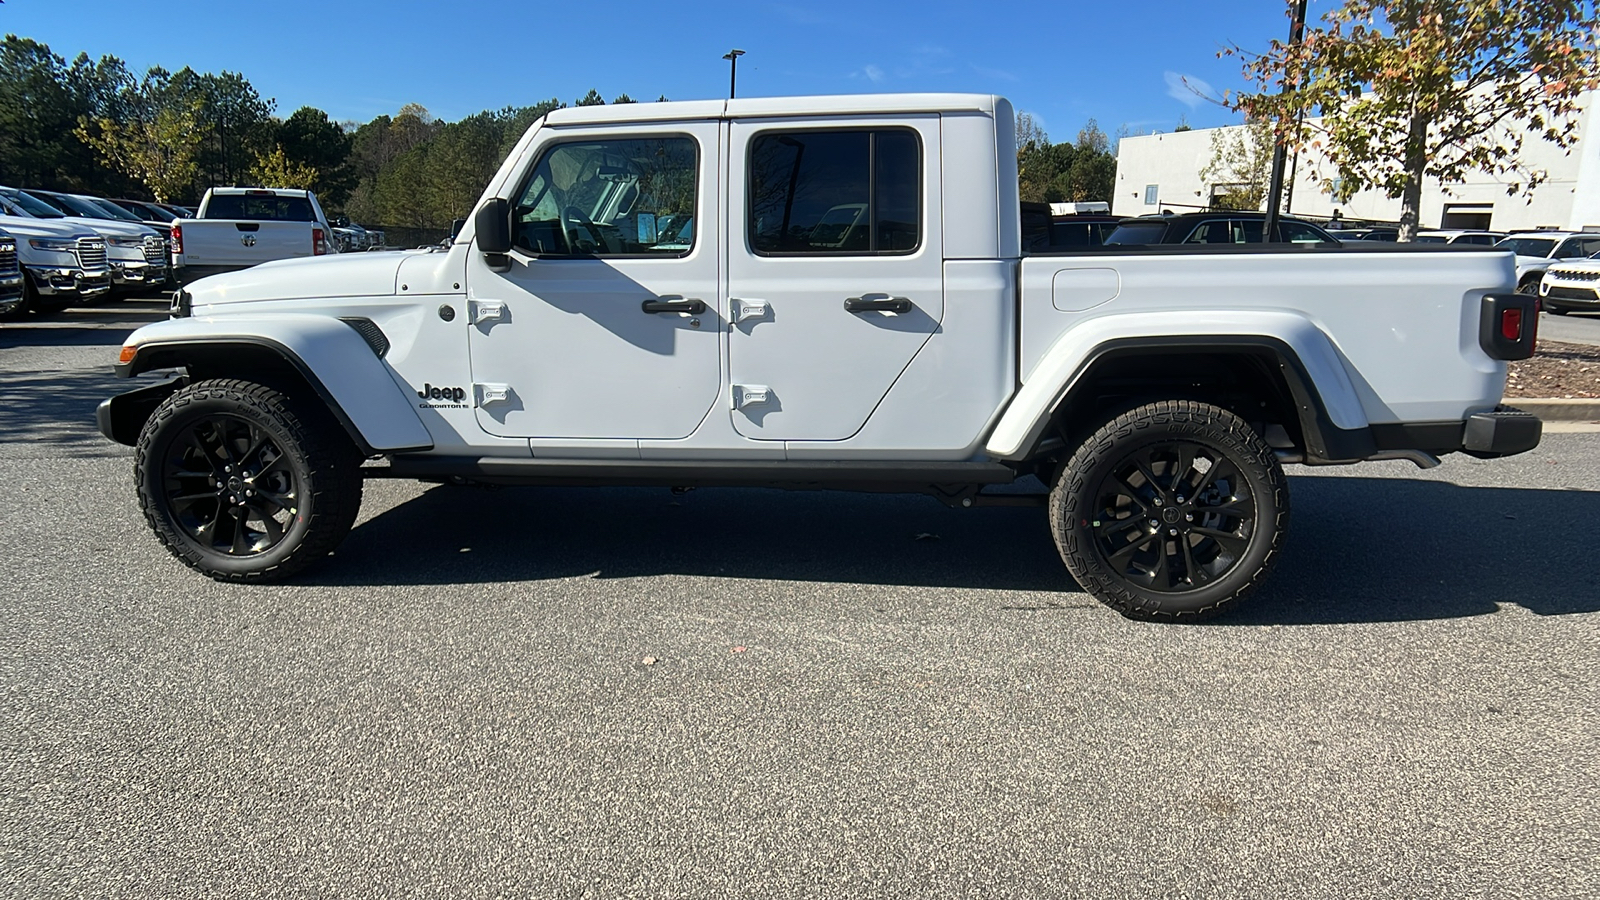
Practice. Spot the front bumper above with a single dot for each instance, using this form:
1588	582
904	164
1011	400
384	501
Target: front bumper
1570	294
51	281
120	418
10	291
137	273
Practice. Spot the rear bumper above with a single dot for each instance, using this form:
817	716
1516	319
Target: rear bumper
1504	432
186	275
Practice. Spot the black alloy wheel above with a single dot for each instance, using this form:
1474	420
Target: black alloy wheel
229	486
243	484
1173	516
1172	509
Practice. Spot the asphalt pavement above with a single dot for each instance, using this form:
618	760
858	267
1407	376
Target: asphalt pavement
1574	328
627	693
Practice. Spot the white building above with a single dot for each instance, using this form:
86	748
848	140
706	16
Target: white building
1162	171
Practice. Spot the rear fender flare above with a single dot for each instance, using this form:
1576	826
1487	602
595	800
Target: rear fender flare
356	386
1329	409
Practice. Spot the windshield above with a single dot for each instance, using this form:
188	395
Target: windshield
1137	233
31	206
1540	247
76	207
1432	239
115	211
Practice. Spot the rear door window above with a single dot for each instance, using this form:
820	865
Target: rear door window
835	192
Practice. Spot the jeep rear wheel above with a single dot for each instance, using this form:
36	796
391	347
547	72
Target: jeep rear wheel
241	484
1173	509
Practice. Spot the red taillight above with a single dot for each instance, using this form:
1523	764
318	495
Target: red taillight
1511	324
317	248
177	238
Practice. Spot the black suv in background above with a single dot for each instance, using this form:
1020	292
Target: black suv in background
1223	227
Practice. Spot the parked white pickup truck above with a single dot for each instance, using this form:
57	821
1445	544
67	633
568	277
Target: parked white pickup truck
851	309
237	228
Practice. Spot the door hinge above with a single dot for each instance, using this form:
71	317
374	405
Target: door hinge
492	393
750	395
487	311
741	310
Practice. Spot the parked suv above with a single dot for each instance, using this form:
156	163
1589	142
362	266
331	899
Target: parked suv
1537	250
1573	285
1223	227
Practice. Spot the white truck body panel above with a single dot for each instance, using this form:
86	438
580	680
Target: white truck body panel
578	371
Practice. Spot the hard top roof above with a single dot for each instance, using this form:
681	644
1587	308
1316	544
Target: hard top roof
768	107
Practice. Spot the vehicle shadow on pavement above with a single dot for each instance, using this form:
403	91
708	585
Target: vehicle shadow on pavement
57	406
1359	549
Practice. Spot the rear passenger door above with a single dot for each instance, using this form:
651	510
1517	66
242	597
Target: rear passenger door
835	269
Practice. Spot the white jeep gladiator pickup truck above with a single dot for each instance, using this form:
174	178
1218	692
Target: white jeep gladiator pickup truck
237	228
816	293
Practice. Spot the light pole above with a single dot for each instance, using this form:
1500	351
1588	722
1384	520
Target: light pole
732	56
1297	28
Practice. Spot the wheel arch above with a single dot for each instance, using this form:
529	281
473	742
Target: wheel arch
326	360
1314	399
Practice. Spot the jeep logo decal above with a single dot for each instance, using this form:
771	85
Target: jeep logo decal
446	397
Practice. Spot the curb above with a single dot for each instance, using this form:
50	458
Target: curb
1553	409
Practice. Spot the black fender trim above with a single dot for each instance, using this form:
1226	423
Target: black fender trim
1325	441
150	356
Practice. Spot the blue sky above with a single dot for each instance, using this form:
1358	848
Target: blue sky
1062	60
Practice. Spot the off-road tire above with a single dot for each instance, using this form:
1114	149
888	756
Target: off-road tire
314	452
1077	508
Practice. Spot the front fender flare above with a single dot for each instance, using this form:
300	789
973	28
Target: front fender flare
1330	411
358	388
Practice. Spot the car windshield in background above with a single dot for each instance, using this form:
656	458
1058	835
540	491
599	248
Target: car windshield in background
31	205
252	208
1138	233
115	211
76	207
1539	247
1432	239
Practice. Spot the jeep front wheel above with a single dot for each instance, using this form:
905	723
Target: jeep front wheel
242	484
1173	509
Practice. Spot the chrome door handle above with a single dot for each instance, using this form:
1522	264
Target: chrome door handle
885	304
674	305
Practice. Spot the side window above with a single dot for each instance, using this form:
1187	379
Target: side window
613	197
1217	232
1569	249
835	192
1299	233
1248	231
1590	246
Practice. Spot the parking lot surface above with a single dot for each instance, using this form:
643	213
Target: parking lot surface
627	693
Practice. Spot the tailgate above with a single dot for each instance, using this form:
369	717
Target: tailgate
224	242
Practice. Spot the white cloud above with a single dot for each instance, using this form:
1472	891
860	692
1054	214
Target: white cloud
1187	89
874	74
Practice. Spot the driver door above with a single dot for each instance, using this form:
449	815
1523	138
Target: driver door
605	326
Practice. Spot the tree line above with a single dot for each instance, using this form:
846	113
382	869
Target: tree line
94	126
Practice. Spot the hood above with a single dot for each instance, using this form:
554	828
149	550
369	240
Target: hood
21	227
110	227
341	275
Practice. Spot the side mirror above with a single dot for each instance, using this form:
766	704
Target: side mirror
493	224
